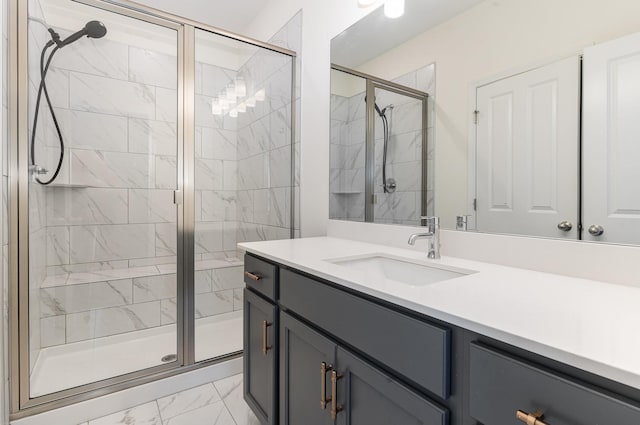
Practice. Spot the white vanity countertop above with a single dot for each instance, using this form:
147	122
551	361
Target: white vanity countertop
587	324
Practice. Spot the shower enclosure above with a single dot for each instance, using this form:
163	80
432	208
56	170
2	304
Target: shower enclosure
160	143
381	160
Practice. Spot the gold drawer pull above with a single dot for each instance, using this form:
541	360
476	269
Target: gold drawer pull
265	348
534	418
335	408
324	368
253	276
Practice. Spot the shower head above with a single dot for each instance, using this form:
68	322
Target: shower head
93	29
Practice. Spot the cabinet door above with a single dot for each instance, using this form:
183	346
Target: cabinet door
260	357
304	352
367	396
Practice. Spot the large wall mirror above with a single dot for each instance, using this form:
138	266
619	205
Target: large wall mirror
503	116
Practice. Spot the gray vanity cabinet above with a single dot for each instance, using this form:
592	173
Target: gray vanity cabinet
317	353
260	357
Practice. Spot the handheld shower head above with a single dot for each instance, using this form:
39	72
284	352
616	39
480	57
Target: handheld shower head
93	29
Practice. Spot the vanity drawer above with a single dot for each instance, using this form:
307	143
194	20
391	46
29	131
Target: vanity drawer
502	385
417	350
261	276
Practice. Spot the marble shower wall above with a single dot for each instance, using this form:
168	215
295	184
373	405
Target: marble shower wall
103	237
264	144
290	37
111	207
348	134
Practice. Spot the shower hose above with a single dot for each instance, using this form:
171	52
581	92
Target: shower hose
44	68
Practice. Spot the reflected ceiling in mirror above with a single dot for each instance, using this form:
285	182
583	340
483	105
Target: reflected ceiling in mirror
375	33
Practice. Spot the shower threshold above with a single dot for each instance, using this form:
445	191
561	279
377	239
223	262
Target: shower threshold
71	365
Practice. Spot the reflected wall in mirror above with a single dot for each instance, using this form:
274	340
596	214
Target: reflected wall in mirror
380	173
527	95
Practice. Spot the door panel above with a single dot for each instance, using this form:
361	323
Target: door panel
369	397
260	333
527	152
303	351
611	152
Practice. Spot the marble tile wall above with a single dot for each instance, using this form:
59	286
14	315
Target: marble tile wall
74	311
216	166
347	173
264	144
112	207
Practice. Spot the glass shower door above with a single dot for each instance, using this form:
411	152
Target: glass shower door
243	183
103	169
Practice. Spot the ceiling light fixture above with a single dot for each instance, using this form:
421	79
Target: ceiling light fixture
393	8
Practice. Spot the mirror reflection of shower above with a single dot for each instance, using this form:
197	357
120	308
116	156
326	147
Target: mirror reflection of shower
93	29
388	184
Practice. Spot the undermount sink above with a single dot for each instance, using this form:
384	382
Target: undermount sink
405	271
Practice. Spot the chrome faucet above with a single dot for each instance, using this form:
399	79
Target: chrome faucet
433	227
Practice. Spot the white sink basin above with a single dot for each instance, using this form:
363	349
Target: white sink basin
408	272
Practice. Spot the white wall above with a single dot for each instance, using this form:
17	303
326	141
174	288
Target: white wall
489	39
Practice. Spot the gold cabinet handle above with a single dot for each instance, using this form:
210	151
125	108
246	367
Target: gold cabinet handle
534	418
324	368
335	408
253	276
265	348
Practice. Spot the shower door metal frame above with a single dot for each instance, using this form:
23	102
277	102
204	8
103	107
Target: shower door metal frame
21	404
373	83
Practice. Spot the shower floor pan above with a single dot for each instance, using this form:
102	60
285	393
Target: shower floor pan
71	365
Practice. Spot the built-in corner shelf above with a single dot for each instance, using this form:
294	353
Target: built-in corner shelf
347	192
69	185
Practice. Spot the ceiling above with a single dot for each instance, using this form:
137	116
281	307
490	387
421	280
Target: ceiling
229	15
375	33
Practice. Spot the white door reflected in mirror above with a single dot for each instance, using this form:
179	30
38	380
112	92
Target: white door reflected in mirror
526	151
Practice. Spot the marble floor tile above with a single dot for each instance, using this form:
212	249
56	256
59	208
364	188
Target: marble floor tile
212	414
217	403
187	401
146	414
230	390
